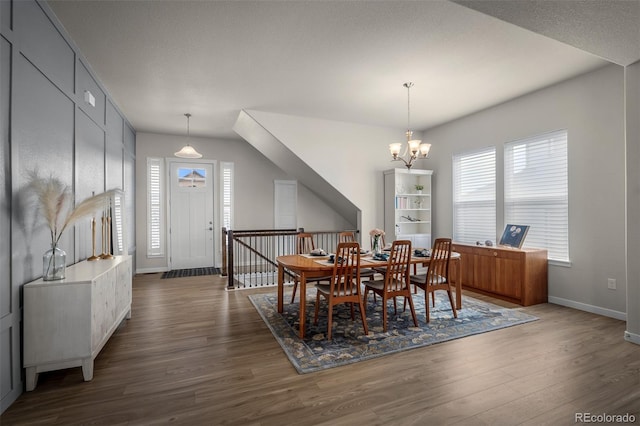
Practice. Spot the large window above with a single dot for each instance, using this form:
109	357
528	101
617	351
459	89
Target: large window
536	191
155	218
474	196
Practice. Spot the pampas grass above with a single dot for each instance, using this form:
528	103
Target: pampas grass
56	203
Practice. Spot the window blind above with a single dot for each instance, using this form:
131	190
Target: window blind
474	196
536	191
155	219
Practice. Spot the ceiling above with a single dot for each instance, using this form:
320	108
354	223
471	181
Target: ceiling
337	60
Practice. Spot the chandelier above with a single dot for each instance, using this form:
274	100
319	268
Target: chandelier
415	148
188	151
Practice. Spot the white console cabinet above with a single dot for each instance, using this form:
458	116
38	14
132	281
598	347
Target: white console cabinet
67	322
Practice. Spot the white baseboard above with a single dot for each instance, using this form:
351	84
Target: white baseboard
151	270
632	337
588	308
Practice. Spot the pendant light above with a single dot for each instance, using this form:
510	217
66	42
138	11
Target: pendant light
188	151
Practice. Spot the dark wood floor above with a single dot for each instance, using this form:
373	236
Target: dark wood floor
195	354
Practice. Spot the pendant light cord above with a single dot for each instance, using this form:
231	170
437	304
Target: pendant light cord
188	132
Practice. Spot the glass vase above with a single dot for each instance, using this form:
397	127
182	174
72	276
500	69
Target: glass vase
375	248
54	263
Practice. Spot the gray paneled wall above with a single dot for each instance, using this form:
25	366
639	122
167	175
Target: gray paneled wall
90	180
47	126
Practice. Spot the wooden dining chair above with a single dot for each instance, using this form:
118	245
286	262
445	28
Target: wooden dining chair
437	275
350	237
382	269
304	245
344	286
396	280
346	237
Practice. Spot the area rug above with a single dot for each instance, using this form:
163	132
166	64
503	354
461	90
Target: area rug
350	345
193	272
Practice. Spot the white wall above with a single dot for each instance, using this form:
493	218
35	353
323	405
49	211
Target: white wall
632	100
254	175
591	108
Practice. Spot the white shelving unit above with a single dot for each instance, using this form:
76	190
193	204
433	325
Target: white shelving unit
407	210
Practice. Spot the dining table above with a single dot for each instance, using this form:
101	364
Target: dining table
307	267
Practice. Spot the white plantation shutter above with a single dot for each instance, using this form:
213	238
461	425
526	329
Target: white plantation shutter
227	194
474	196
536	191
117	220
155	218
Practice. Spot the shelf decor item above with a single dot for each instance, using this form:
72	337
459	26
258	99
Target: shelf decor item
419	189
513	235
55	204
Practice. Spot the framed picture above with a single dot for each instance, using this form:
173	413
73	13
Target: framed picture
513	235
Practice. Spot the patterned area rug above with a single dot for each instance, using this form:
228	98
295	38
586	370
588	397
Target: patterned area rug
350	345
193	272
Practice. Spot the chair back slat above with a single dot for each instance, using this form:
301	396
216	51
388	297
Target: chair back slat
438	271
397	276
346	272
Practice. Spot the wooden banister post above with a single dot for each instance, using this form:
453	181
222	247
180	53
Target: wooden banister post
230	259
224	252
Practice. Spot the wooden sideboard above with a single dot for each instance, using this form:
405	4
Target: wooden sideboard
67	322
515	275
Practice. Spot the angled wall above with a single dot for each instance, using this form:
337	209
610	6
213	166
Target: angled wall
251	131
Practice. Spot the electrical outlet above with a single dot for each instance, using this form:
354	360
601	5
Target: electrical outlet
611	283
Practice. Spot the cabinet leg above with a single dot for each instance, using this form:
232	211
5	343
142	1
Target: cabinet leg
32	378
128	316
87	369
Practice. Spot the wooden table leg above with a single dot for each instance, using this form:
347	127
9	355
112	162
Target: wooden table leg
303	302
280	288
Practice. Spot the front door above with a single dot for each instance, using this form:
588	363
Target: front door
191	209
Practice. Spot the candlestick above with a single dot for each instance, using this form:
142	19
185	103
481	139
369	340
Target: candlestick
106	254
93	240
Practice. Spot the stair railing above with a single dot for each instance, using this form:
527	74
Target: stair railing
249	256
